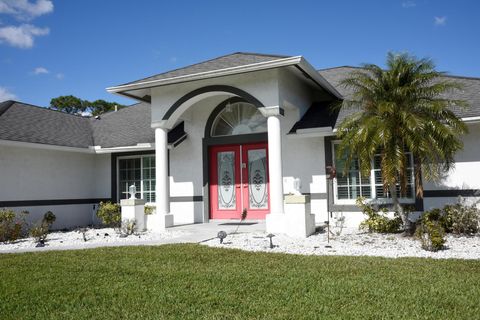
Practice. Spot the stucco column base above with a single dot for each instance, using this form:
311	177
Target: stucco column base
297	221
134	209
159	222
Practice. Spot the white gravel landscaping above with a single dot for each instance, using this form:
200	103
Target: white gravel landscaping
95	238
352	243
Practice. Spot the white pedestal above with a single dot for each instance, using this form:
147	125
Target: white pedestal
134	209
159	222
296	222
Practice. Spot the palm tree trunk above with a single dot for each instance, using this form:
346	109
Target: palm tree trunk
397	207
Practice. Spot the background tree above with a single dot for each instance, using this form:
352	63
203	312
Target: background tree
73	105
68	104
404	107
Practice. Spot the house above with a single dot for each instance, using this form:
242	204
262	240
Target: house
205	142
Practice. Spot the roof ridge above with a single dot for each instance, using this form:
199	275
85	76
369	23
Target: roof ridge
442	75
338	67
119	110
262	54
48	109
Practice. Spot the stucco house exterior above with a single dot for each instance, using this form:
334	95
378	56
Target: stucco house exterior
206	142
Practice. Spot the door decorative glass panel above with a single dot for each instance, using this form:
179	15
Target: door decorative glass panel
257	179
226	180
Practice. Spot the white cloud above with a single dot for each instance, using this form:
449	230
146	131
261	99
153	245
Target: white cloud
40	70
6	95
22	36
60	76
408	4
24	9
440	21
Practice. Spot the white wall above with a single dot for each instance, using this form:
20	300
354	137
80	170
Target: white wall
36	174
465	174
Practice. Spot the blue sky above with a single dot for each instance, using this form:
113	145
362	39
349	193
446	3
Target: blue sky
60	47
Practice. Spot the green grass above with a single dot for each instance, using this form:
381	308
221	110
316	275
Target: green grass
197	282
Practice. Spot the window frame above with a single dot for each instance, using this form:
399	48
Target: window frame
372	184
219	116
119	158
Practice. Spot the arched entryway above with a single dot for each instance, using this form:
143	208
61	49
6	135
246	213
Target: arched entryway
237	153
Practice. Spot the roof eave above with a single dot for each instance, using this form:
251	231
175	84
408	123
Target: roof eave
209	74
317	78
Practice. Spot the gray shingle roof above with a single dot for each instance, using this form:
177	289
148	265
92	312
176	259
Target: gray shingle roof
228	61
130	126
125	127
469	93
27	123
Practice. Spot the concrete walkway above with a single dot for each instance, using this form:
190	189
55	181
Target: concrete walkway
192	233
205	231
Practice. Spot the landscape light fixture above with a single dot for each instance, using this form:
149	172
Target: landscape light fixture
221	235
270	236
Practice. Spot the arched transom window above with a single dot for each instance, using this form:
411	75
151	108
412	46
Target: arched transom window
238	118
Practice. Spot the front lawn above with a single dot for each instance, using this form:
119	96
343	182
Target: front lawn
198	282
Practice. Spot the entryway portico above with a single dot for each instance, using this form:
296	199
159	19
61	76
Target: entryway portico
280	89
238	145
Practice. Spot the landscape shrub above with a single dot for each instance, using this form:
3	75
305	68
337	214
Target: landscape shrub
109	213
11	225
41	229
461	219
128	227
149	210
377	220
49	218
431	234
39	232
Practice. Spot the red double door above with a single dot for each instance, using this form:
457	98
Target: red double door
238	181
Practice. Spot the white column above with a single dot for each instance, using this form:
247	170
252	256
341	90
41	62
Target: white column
162	188
275	164
162	217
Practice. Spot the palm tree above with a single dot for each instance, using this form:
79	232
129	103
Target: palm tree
404	107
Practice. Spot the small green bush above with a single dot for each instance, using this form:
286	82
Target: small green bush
109	213
11	225
431	235
39	232
461	219
149	210
41	229
128	227
49	218
378	221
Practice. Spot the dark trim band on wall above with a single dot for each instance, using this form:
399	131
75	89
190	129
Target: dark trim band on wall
187	199
54	202
451	193
317	195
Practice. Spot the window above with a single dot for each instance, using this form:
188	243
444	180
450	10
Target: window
238	118
139	171
348	187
